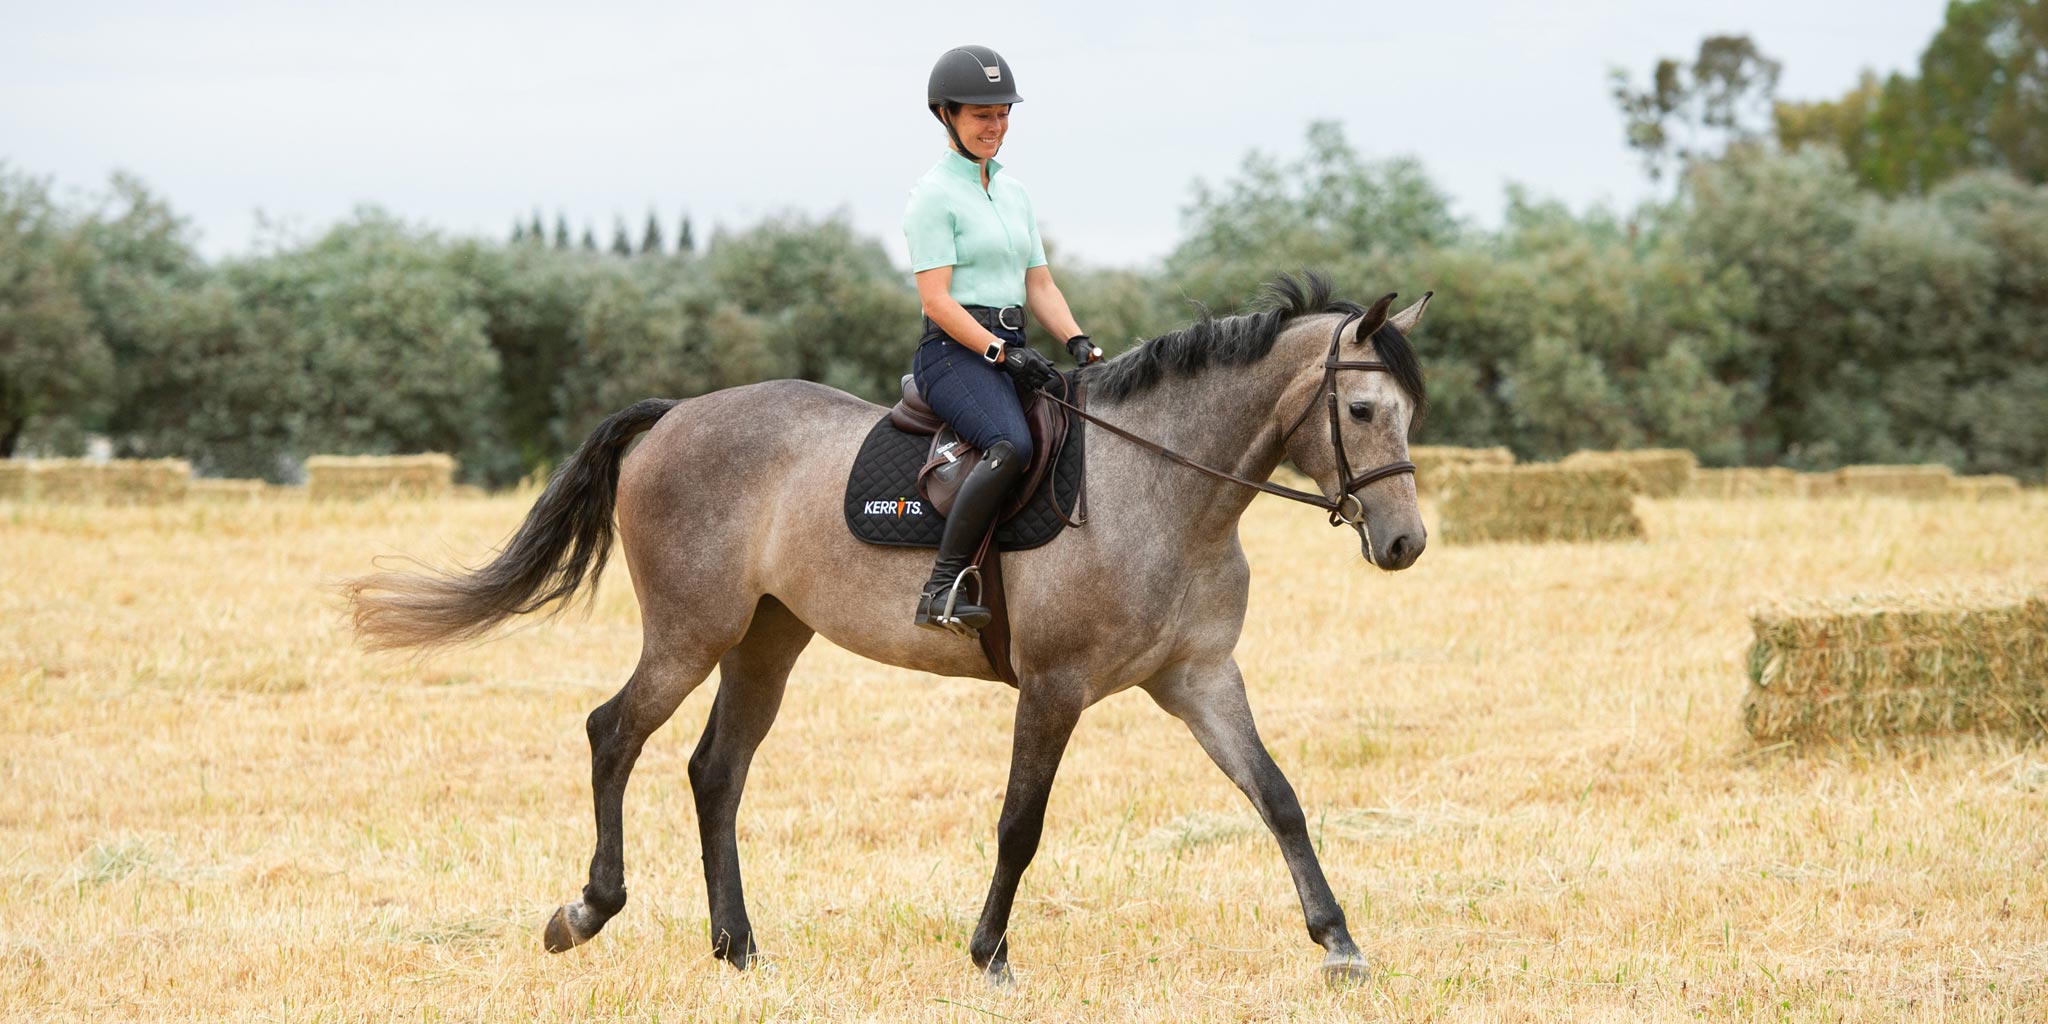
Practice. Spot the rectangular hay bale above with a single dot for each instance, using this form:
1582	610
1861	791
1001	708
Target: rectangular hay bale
359	477
1663	472
110	482
1872	666
1433	462
1541	502
1928	480
1988	487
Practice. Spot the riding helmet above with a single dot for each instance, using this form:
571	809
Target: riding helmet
971	74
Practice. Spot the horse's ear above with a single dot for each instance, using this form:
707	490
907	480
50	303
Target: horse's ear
1374	317
1405	320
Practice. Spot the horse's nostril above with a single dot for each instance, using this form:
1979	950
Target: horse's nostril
1398	549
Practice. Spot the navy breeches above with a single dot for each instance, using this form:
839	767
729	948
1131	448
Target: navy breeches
977	399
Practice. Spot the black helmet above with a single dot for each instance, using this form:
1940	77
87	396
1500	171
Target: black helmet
971	74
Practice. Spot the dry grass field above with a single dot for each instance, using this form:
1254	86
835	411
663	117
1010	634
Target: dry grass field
1523	764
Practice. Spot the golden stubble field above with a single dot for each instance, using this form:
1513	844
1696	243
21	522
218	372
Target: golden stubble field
1522	764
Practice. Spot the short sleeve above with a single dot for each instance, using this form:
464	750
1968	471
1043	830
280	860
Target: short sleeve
928	227
1037	246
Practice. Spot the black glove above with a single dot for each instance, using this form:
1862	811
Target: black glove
1083	349
1030	370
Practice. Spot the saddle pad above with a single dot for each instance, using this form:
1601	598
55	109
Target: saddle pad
883	505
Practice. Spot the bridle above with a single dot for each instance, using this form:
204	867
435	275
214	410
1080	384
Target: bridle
1347	507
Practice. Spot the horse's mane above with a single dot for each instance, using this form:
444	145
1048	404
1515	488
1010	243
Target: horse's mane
1246	339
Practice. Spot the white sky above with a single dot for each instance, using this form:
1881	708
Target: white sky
464	116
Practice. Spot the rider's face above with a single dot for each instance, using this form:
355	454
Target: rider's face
982	127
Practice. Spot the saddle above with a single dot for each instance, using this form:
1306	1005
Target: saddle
911	451
951	458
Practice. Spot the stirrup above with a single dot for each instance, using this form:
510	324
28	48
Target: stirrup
931	613
946	618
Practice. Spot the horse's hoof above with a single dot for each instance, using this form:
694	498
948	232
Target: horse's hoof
561	935
999	976
1341	969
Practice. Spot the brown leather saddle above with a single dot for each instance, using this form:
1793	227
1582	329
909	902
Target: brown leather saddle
951	458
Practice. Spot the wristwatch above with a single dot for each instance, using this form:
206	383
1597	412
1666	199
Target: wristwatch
994	352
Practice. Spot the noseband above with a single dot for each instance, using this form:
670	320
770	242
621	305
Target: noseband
1347	507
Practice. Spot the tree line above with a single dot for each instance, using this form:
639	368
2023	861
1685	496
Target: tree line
1782	307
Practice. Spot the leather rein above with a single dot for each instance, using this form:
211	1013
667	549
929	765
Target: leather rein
1347	508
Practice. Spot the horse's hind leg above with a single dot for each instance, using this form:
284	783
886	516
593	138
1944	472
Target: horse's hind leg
618	729
751	677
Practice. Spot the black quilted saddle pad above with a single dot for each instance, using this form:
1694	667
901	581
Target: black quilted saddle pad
884	507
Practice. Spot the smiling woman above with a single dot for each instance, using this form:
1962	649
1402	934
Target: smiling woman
975	249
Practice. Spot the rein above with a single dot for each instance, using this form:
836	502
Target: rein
1348	484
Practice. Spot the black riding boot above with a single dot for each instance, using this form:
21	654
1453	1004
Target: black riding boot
974	509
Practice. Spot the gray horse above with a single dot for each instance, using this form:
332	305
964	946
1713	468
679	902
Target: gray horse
731	522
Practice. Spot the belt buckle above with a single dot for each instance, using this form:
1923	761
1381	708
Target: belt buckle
1003	318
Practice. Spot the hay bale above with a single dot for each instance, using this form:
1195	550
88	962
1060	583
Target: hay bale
357	477
1542	502
228	491
110	482
14	480
1889	665
1989	487
1929	480
1820	485
1434	462
1662	472
1744	482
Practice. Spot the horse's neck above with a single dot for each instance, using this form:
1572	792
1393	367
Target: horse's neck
1221	417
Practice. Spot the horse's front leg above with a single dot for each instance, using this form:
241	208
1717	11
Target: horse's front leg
1046	714
1211	700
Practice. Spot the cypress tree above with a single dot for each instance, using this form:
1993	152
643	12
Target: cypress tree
589	240
650	240
686	243
621	245
518	231
561	231
537	233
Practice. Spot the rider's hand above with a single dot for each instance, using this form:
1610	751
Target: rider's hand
1083	349
1029	369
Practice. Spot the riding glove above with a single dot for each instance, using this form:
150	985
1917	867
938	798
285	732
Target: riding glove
1029	369
1083	349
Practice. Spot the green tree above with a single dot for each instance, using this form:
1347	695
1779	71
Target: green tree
1688	112
686	241
621	244
1979	101
650	240
561	231
56	371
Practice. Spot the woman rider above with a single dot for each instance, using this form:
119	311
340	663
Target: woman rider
975	249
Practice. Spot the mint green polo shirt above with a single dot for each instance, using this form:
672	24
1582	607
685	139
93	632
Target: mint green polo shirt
988	238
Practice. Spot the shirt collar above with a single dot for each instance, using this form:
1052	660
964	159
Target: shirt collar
962	167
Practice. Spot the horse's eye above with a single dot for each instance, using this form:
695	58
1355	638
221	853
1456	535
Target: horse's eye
1361	411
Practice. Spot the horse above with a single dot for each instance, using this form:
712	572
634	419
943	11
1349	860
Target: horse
729	516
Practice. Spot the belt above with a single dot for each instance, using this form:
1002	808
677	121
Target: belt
1009	318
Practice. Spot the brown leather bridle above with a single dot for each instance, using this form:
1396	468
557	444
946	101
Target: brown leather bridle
1348	484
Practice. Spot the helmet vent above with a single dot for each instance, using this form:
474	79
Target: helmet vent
994	72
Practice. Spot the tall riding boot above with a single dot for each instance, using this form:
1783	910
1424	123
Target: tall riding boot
974	509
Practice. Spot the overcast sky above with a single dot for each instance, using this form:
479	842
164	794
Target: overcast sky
465	116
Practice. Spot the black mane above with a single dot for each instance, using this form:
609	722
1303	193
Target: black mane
1246	339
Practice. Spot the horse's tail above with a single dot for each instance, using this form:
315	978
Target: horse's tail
563	543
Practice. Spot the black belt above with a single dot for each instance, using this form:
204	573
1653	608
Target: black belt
1009	318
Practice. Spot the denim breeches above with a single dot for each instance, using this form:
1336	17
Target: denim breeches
977	399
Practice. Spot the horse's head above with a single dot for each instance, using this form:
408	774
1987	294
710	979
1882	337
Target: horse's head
1374	410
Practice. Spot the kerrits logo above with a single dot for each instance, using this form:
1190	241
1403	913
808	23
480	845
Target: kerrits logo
898	508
